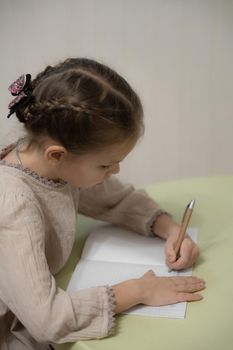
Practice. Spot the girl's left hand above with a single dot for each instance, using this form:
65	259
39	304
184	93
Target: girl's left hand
189	251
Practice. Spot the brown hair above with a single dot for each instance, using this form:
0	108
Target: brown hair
82	104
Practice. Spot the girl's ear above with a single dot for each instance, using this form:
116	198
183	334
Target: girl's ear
55	153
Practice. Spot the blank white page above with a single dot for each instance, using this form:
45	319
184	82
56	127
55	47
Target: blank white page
97	273
112	243
112	254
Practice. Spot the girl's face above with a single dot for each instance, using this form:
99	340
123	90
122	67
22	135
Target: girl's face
91	169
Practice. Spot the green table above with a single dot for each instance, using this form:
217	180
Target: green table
208	324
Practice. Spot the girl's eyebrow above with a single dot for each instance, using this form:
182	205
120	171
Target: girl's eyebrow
115	161
111	163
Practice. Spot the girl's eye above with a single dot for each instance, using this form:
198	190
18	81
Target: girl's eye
105	166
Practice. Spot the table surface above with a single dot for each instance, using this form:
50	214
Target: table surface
208	324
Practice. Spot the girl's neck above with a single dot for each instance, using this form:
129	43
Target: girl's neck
32	158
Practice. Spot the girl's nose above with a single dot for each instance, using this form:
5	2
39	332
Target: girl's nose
115	168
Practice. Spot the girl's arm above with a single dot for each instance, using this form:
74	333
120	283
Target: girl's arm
121	204
48	313
156	291
118	204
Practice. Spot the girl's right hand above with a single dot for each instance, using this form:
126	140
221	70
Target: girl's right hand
157	291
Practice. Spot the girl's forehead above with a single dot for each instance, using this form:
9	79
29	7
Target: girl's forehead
116	152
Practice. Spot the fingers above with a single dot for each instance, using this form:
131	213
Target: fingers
164	290
182	297
189	253
170	254
189	284
185	288
185	284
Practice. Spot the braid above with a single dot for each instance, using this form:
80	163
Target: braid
50	107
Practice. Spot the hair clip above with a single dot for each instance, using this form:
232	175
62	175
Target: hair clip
20	88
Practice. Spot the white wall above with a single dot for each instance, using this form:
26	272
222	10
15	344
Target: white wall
178	54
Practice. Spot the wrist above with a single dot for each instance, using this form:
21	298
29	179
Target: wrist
164	226
127	294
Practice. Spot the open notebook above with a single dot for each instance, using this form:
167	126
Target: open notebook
112	254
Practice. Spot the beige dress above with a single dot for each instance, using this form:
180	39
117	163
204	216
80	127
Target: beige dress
37	231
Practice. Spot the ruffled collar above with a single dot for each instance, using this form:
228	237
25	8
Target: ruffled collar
42	179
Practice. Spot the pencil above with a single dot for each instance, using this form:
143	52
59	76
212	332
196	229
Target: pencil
184	225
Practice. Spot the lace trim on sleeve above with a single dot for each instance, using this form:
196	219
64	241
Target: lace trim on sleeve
153	219
111	313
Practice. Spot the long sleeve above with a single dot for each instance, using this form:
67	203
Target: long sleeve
28	288
119	204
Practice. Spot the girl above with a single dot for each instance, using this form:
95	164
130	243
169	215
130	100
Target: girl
81	120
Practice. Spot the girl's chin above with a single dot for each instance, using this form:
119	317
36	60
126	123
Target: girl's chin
93	185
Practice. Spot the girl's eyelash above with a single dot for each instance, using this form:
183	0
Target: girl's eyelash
105	166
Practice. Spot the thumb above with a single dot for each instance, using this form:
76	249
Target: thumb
150	272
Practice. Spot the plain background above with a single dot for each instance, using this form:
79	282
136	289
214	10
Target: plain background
177	54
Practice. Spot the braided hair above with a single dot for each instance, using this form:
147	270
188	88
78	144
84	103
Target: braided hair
82	104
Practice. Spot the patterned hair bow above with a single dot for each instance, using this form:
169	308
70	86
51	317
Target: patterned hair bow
20	88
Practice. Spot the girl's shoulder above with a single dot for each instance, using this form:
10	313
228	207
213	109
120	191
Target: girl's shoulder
10	180
17	200
12	184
